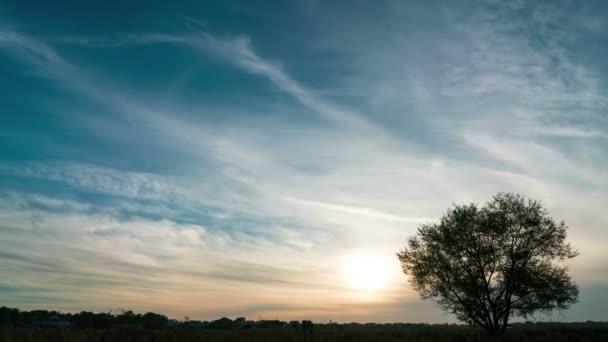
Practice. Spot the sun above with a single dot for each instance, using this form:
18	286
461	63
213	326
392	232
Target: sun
367	272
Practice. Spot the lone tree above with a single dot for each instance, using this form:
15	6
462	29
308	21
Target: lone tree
487	264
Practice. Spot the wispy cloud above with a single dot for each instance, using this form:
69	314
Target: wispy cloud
239	52
369	212
571	132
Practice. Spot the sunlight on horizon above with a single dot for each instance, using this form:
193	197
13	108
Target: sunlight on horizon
368	273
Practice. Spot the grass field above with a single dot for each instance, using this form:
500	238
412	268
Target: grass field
548	333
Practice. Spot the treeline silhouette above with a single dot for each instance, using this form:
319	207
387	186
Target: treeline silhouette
128	326
13	317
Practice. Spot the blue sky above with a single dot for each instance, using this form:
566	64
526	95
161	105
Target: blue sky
225	158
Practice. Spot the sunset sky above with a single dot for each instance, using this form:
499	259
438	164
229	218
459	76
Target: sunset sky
267	159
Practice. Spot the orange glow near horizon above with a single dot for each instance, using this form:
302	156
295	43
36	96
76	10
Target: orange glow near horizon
368	273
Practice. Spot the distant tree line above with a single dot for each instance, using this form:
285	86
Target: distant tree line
85	319
128	320
12	317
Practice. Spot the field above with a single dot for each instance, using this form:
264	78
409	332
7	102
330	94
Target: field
545	332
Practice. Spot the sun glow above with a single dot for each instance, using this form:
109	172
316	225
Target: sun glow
367	272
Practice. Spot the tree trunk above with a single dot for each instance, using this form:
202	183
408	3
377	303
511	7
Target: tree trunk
495	332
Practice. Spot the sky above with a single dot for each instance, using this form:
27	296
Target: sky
268	159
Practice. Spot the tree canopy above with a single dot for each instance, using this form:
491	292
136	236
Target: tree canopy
487	264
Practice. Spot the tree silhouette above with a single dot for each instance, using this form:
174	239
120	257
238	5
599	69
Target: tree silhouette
153	320
487	264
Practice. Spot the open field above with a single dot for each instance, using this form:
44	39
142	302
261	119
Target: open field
544	332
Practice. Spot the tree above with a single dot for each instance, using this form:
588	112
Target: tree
487	264
5	317
128	317
153	320
222	323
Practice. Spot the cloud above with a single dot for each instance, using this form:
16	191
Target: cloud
91	256
359	211
237	51
571	132
108	181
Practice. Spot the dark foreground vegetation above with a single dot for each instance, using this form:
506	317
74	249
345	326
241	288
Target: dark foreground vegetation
127	326
550	332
